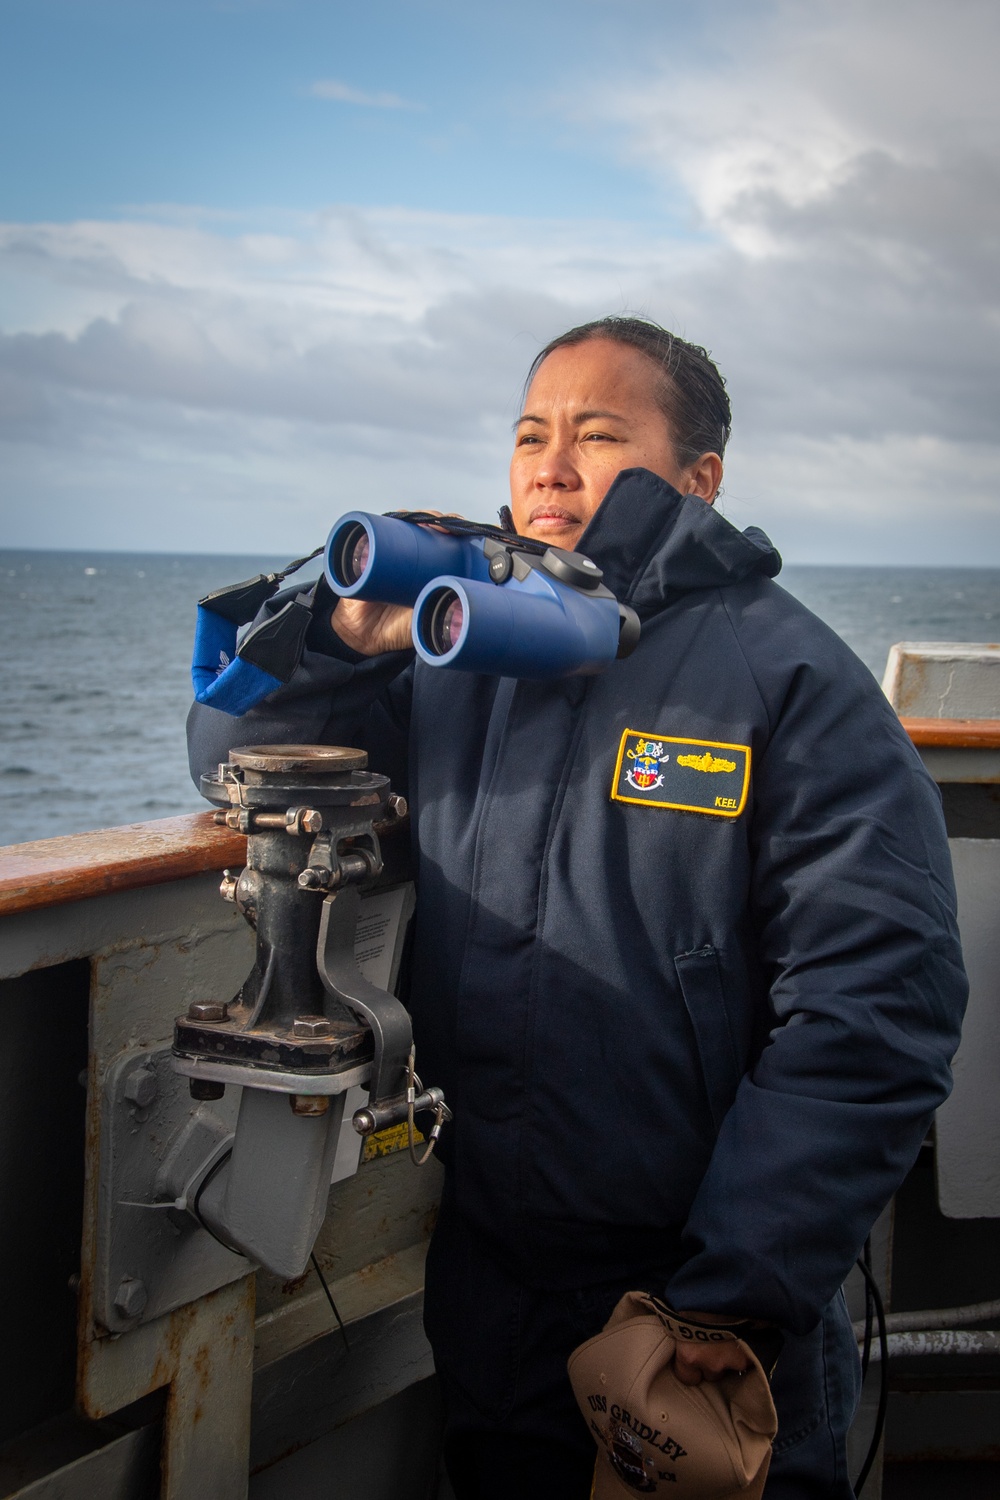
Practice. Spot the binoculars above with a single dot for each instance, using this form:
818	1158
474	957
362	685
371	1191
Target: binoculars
483	601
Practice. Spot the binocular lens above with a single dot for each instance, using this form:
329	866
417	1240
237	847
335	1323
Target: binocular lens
351	555
359	557
446	619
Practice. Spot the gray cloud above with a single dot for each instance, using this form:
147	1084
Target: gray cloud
842	168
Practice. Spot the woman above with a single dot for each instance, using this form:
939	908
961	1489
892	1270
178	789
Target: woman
685	959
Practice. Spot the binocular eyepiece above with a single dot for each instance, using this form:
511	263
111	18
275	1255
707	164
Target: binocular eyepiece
482	604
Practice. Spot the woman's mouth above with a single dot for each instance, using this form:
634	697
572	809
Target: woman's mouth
550	517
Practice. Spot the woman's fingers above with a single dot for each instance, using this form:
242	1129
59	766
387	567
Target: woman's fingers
370	628
694	1363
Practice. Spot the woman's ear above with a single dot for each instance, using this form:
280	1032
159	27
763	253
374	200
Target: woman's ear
705	476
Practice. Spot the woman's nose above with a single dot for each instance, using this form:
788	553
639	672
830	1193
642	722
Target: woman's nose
557	470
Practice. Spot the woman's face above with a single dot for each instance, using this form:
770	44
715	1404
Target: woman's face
590	412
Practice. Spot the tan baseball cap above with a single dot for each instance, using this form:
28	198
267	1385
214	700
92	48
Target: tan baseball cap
656	1435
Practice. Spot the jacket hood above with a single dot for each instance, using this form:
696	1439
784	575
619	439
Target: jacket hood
654	543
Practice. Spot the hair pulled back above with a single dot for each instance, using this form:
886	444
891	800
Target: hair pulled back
690	392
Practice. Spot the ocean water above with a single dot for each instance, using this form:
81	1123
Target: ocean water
94	684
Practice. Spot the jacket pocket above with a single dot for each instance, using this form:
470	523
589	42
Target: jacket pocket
701	986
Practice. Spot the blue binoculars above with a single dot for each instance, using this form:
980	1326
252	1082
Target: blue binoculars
483	600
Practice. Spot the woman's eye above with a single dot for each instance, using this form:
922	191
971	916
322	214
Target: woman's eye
598	437
527	439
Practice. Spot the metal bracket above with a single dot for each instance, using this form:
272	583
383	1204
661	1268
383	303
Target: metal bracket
387	1017
156	1148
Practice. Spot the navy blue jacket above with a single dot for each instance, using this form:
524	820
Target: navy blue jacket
707	1044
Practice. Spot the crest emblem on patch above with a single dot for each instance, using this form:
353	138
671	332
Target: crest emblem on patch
660	770
644	773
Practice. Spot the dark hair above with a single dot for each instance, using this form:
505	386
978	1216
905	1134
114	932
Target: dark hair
691	393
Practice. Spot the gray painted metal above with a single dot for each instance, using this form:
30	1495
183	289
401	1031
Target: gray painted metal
270	1197
943	680
949	765
154	951
151	952
968	1124
929	1425
128	1468
342	979
388	1453
247	1076
211	940
152	1161
937	1317
939	1341
322	1385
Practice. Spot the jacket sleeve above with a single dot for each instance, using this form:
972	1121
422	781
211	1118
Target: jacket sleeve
336	697
853	905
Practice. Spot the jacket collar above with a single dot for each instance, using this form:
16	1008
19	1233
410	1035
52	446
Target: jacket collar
654	543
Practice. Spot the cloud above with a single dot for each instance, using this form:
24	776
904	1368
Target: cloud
343	93
841	167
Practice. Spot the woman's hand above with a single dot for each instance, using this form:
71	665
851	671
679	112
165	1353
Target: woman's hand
371	628
694	1363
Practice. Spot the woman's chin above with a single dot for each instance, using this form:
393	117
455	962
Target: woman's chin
555	532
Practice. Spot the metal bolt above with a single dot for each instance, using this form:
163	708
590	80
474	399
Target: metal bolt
227	888
398	805
313	880
206	1088
311	1026
309	1104
208	1010
303	820
131	1297
141	1087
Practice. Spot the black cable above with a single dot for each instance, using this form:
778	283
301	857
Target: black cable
866	1256
212	1172
329	1298
871	1286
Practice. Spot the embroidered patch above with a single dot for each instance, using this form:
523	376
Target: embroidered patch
660	770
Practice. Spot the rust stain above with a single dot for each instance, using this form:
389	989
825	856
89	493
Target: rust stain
289	1288
429	1221
201	1365
376	1269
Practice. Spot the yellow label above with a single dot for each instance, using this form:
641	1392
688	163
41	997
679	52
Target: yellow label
387	1142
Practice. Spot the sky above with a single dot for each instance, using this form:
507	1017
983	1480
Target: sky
265	261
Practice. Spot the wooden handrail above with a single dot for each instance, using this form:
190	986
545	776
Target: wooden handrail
957	734
49	872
